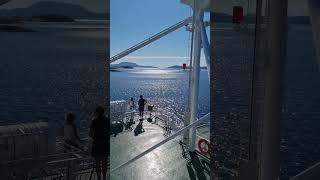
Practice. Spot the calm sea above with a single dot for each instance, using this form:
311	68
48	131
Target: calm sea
165	88
57	69
300	141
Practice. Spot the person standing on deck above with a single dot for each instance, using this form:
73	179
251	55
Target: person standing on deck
132	107
142	103
99	132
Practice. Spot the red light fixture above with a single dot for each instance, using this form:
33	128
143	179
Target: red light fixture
237	16
184	66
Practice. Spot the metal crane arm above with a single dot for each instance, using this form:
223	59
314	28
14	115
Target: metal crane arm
151	39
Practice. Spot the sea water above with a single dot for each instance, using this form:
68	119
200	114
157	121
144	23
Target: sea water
57	69
165	88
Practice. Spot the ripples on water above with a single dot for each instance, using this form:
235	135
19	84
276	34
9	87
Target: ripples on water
165	88
300	141
57	69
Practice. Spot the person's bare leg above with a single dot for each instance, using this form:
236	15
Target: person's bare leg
98	168
104	168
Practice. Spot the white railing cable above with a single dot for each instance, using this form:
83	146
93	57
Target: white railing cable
206	117
312	172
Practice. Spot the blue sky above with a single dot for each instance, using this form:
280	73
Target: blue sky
132	21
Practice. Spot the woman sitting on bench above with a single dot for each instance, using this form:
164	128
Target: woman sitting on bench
71	136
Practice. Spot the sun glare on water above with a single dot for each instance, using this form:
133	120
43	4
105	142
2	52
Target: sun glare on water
157	71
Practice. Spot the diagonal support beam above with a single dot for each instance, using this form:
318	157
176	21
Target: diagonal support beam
151	39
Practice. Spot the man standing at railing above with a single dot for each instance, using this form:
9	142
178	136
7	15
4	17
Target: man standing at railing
142	103
99	132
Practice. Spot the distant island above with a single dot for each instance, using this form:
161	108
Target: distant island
11	20
127	65
50	10
12	28
180	67
52	18
131	65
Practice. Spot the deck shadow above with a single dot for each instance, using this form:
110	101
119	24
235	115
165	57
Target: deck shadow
139	129
196	168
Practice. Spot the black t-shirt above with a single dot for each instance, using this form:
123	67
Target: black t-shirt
101	128
142	102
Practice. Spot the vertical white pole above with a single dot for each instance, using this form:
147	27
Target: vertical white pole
206	46
195	73
274	70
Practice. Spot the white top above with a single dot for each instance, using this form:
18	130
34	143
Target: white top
131	104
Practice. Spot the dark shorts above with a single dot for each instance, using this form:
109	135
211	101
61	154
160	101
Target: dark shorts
100	150
141	108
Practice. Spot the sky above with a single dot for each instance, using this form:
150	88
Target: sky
133	21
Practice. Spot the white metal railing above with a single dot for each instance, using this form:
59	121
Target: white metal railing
180	132
74	164
118	109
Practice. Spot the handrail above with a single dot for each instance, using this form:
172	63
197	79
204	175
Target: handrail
163	142
150	40
310	173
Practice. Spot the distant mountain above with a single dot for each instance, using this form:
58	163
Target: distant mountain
9	28
180	67
176	67
128	65
57	8
251	18
53	18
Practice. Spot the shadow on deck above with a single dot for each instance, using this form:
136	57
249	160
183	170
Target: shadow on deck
169	161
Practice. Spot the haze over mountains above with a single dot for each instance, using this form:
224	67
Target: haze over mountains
50	7
130	65
79	12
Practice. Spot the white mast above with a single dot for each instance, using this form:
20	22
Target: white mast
276	34
195	73
198	11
